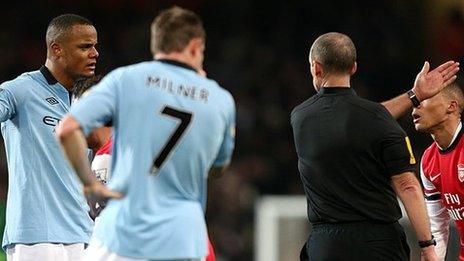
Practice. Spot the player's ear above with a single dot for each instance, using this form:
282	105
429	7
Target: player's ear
55	49
195	45
453	107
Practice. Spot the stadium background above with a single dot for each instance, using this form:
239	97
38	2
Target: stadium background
258	50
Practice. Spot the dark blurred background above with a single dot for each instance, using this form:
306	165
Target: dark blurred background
258	50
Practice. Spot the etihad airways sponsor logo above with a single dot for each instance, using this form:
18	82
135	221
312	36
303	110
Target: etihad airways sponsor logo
456	212
51	121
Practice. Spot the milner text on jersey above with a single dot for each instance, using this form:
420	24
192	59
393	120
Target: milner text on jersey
166	84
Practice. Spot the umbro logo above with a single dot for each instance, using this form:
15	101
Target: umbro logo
52	100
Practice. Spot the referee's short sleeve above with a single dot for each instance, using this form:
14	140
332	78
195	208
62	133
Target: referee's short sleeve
395	147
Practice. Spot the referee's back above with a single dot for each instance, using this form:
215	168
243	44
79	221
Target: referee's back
348	148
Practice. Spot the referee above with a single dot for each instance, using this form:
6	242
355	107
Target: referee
352	157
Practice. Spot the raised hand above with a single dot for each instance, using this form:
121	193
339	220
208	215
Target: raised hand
428	83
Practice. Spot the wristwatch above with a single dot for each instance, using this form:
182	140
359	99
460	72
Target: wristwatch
428	243
413	97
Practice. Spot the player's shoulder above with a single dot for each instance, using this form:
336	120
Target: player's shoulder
138	66
24	78
124	70
430	152
430	160
226	94
119	74
23	83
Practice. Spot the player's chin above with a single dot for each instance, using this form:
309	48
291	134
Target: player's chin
88	72
421	128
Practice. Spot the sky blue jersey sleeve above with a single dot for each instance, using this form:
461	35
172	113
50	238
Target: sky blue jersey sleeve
228	143
99	106
7	102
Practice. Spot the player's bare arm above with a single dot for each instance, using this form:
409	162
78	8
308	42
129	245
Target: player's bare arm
74	145
408	189
427	84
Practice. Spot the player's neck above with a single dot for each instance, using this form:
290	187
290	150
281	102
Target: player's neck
176	56
444	135
61	77
336	81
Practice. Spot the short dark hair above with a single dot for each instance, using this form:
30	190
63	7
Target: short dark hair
335	52
454	91
84	84
59	27
173	29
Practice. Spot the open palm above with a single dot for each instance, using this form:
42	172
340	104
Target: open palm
428	83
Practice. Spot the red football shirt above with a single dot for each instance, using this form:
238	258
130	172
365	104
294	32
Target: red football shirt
442	173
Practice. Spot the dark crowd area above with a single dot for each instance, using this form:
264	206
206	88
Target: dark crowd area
258	50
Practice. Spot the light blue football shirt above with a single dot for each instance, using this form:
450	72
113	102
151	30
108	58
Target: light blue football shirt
162	112
45	201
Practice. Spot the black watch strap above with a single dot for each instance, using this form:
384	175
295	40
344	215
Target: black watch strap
412	96
428	243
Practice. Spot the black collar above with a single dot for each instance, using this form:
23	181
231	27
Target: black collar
453	145
48	75
177	63
336	90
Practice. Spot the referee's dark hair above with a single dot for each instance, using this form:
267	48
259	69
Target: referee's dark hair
60	26
335	52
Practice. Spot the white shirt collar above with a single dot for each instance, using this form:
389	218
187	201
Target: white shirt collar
456	132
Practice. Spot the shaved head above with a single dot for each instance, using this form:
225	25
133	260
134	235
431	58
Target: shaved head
454	92
60	27
335	52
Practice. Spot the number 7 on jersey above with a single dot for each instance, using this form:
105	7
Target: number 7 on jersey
185	119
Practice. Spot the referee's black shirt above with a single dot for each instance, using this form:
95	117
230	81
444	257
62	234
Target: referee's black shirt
348	148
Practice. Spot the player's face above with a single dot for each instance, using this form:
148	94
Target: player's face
79	54
430	114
